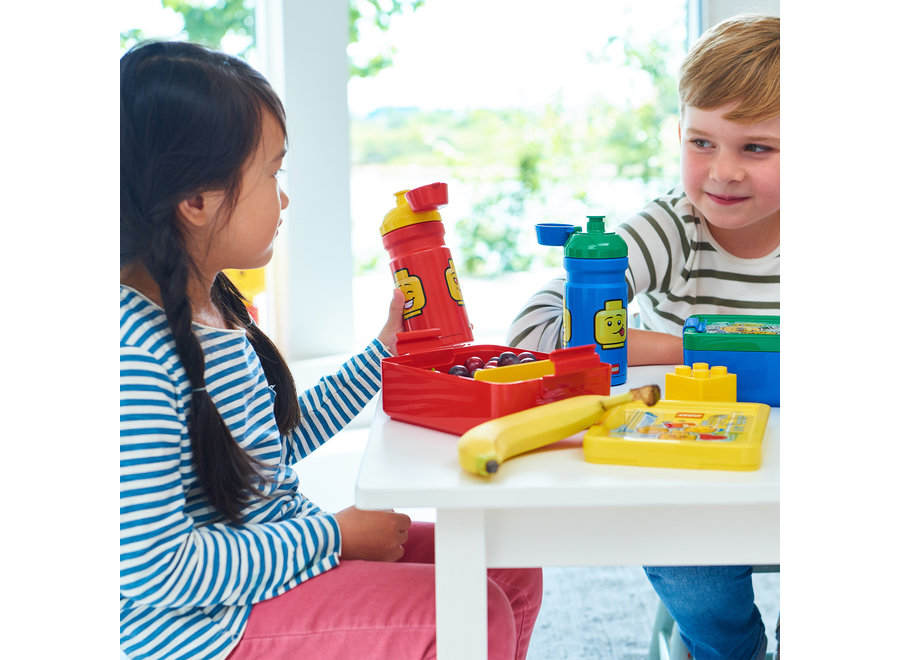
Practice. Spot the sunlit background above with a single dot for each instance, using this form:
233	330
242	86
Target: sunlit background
544	112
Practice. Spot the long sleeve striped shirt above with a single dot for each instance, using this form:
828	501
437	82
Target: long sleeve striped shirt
675	269
188	578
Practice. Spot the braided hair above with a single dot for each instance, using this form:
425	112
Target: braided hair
190	118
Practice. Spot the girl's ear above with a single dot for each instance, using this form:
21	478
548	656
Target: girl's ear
199	209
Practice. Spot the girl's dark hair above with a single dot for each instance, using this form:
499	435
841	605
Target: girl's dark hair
190	118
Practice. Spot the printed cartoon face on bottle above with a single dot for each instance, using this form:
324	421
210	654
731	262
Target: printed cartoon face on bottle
412	289
610	325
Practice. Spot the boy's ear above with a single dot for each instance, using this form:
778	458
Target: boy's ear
198	209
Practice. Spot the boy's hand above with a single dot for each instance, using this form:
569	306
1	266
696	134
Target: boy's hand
372	535
388	335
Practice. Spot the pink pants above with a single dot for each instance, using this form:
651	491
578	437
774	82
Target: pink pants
380	610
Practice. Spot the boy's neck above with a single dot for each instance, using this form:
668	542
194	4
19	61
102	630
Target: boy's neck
757	240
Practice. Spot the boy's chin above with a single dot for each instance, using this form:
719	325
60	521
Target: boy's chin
763	224
730	224
736	218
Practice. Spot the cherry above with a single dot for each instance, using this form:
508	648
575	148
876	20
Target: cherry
474	363
507	358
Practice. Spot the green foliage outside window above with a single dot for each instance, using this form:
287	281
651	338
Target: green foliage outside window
380	13
515	158
208	23
635	138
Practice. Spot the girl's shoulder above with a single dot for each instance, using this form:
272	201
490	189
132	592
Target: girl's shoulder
141	321
145	336
146	347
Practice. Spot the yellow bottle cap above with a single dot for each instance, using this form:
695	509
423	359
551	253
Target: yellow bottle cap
402	215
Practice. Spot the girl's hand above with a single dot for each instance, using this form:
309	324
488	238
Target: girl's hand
394	324
372	535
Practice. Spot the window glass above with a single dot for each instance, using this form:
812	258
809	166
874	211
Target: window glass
530	112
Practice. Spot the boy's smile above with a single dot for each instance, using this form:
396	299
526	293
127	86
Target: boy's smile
731	173
726	200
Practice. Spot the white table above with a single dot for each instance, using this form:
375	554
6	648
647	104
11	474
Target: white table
553	508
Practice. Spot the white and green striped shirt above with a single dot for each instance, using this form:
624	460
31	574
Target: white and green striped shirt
187	577
675	269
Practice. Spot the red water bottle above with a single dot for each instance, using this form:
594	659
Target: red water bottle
422	265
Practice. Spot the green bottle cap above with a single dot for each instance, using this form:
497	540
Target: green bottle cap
596	242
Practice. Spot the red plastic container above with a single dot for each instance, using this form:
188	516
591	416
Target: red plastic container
417	389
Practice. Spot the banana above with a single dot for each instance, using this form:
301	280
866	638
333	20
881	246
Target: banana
484	447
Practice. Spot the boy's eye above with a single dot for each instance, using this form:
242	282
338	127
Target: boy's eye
279	171
700	142
757	148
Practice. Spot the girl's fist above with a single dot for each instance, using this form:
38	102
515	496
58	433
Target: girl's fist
372	535
388	335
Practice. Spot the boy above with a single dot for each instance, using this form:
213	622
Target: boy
710	246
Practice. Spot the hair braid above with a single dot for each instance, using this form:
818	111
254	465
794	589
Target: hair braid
225	471
232	303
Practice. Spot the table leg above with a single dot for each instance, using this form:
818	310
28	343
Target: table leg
460	584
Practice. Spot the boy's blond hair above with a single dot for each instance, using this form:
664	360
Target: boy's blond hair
736	60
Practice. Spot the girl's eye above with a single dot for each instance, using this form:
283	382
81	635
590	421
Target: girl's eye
280	171
757	148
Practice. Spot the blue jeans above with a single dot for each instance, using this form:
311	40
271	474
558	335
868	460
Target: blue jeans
714	608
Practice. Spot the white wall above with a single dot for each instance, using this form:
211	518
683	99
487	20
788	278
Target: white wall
303	52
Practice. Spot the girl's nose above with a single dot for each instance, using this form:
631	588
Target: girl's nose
285	200
725	169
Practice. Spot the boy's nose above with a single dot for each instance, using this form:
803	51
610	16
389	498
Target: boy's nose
725	169
285	200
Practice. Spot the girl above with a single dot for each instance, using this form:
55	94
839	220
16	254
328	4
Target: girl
221	556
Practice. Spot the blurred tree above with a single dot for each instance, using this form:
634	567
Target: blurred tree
208	24
521	157
491	238
636	141
205	24
630	137
380	14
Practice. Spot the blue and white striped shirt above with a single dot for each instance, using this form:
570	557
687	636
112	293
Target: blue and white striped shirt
187	577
